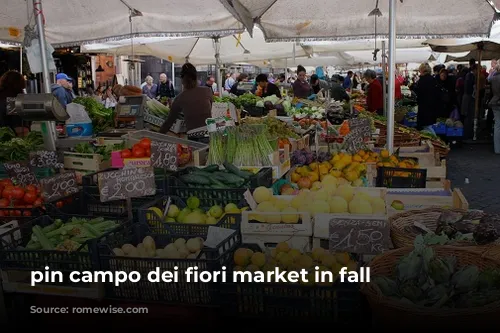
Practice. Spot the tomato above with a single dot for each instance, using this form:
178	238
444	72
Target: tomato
37	203
139	152
145	143
17	193
6	181
7	193
148	152
31	188
3	213
59	204
26	213
30	197
126	153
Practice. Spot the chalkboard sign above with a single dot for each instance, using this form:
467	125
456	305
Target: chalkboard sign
59	186
46	159
20	173
126	183
359	130
164	155
357	235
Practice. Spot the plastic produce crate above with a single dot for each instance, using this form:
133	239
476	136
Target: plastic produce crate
340	302
439	128
401	178
16	264
158	225
92	205
182	292
454	131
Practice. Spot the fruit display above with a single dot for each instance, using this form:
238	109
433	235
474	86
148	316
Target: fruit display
19	200
139	150
307	123
69	236
289	259
192	213
212	176
179	249
327	199
423	278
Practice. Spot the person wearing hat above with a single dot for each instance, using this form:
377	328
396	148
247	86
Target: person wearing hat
59	89
69	88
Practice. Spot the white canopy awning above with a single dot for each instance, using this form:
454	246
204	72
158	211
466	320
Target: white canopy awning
200	51
327	19
76	21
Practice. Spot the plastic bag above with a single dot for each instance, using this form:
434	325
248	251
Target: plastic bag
77	114
455	115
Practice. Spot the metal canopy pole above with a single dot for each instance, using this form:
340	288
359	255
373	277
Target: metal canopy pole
218	64
384	77
392	75
48	127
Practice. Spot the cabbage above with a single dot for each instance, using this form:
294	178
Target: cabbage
273	99
260	104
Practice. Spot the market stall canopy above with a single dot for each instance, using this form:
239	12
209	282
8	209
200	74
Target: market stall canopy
361	44
340	60
284	20
200	51
71	22
487	55
486	46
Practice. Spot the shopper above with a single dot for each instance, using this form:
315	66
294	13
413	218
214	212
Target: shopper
243	77
375	94
495	106
301	88
210	83
165	88
151	88
194	102
266	88
447	94
12	83
317	84
469	102
427	98
59	89
230	81
348	81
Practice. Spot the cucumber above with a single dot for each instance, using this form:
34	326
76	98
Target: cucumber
201	173
217	184
211	168
228	178
195	179
236	171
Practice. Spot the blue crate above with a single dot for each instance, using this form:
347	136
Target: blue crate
409	123
439	128
454	131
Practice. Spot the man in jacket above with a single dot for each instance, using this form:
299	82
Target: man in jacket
59	89
374	96
165	88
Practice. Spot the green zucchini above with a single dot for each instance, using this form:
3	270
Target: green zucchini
195	179
216	184
42	239
211	168
228	178
92	230
236	171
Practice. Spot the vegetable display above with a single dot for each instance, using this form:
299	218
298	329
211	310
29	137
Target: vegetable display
87	148
212	176
179	249
275	127
14	199
157	109
423	279
102	117
69	236
18	149
139	150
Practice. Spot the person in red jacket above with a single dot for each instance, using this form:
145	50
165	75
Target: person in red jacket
375	95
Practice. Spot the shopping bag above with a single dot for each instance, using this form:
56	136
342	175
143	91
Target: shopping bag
455	115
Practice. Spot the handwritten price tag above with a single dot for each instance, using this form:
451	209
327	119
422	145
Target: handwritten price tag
164	155
126	183
20	173
59	186
359	130
356	235
46	159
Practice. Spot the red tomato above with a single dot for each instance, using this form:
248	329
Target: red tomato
6	181
148	152
59	204
126	153
7	193
30	197
3	213
17	193
145	143
26	213
31	188
15	213
37	203
139	152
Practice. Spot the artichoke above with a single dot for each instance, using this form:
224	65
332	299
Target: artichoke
387	286
466	279
411	291
437	294
485	233
477	298
439	271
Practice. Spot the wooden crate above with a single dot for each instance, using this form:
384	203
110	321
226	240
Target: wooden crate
281	165
85	162
269	242
298	144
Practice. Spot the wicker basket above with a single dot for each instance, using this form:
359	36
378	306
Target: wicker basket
389	312
402	233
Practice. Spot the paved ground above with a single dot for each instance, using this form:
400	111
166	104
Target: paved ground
481	166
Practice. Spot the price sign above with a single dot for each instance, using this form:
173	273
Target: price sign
126	183
358	235
46	159
59	186
359	130
164	155
20	173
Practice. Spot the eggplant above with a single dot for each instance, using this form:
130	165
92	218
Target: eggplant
268	105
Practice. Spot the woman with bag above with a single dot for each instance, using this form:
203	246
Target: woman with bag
495	106
447	94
